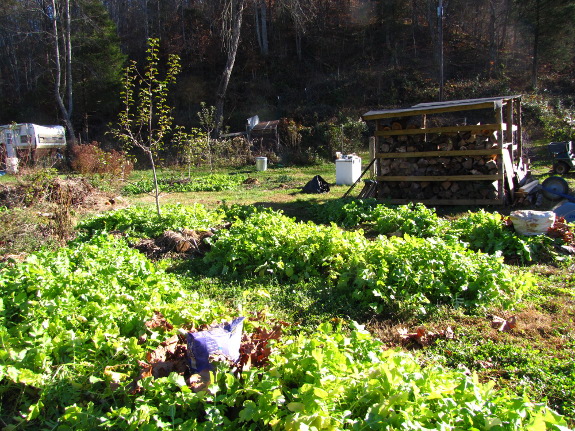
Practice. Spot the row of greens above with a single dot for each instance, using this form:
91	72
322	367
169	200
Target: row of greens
140	222
408	274
480	231
73	331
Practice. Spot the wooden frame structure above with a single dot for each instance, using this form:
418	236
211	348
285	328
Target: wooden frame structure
422	122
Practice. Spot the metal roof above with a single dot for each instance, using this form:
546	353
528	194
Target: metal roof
438	107
264	126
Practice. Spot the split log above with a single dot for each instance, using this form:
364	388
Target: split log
449	166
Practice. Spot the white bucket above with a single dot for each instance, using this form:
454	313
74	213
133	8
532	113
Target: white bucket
12	165
261	163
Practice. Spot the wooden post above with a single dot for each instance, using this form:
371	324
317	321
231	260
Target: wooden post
500	166
519	131
372	151
440	42
509	121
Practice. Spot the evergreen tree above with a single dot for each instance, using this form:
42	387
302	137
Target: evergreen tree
549	23
98	63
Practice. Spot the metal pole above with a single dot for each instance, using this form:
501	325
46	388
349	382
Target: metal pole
440	42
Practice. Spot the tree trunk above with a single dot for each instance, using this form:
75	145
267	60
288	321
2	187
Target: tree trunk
298	33
236	14
66	111
536	33
262	25
492	38
156	186
506	16
69	91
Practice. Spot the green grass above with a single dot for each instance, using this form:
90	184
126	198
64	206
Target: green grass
542	373
277	187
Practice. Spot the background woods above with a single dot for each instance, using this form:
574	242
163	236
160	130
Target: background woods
61	61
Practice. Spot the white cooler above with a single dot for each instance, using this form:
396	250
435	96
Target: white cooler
347	170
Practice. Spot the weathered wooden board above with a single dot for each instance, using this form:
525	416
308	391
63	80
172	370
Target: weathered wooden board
437	153
447	129
440	178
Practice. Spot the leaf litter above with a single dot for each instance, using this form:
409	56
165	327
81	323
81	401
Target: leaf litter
171	355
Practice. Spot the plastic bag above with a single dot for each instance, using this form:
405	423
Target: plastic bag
316	185
224	339
529	222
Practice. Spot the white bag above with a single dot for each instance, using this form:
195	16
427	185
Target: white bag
527	222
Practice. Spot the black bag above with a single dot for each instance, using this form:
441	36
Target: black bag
316	185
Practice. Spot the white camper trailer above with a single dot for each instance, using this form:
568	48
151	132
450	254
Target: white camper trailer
30	140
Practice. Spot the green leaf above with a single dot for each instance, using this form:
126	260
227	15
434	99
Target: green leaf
296	407
34	411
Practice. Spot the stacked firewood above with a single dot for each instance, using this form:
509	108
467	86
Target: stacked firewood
451	165
456	165
483	140
419	190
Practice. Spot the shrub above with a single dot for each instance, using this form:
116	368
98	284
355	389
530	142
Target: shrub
91	159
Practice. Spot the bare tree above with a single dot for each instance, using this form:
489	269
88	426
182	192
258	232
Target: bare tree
261	17
232	15
301	12
63	90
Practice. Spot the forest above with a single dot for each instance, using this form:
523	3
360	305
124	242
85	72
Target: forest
312	61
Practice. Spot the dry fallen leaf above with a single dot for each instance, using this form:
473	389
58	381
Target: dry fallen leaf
423	337
159	321
503	325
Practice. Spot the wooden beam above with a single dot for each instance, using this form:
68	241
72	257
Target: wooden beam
443	201
359	178
519	130
438	153
372	151
450	129
399	178
509	171
466	101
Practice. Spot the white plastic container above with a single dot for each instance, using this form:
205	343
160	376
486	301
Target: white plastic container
347	170
261	163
